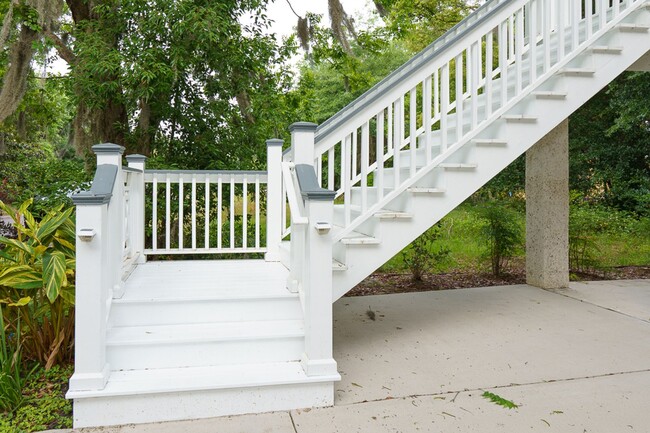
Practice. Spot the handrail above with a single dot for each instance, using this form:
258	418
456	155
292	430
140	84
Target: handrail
292	197
421	115
415	64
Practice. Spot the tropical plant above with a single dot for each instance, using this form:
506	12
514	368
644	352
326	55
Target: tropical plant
40	264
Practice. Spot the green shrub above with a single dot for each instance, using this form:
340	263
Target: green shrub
502	232
424	253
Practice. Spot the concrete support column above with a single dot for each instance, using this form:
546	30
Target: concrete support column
547	210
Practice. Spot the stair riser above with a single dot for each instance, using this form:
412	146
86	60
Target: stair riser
147	408
201	354
205	311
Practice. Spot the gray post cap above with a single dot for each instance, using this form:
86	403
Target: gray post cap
136	158
309	187
108	148
101	189
303	127
274	142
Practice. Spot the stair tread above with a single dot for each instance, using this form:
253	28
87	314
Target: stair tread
202	332
425	190
606	49
577	71
208	279
489	141
550	94
457	165
155	381
392	214
356	238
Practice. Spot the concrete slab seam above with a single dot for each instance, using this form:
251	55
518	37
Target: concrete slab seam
566	295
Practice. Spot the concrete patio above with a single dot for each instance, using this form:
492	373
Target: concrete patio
576	360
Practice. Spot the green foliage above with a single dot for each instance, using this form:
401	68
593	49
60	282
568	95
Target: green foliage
35	172
610	146
45	406
40	265
502	232
424	253
496	399
421	22
11	382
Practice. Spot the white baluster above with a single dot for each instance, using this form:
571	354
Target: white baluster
181	200
206	234
154	214
193	211
365	162
444	107
379	176
168	216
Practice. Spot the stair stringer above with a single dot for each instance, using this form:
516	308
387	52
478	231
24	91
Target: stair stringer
361	260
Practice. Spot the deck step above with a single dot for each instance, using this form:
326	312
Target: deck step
519	118
606	49
197	345
577	72
457	166
359	239
489	142
195	309
144	396
550	95
427	191
633	28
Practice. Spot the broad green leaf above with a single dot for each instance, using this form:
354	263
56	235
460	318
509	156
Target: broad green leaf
5	256
20	303
15	243
67	293
21	277
54	274
23	210
50	224
64	246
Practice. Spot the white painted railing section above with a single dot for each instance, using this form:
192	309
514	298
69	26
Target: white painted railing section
205	212
435	104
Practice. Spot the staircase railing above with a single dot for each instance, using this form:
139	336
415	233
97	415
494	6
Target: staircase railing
424	112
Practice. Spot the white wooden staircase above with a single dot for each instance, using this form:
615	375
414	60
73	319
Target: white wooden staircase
185	339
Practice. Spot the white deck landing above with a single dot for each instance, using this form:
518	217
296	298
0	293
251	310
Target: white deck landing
197	339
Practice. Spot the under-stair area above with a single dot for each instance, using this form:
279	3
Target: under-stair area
186	339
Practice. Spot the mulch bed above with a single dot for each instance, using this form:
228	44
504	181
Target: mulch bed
381	283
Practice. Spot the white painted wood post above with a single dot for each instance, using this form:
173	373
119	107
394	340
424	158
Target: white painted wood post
302	142
98	255
317	359
111	154
302	148
136	206
92	287
274	200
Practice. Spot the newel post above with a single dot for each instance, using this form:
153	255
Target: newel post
302	149
95	275
274	200
136	206
318	359
111	154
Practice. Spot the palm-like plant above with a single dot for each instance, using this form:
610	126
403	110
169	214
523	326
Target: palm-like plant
40	264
